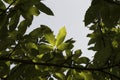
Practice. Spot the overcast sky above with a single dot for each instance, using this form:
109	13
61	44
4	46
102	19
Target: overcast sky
69	13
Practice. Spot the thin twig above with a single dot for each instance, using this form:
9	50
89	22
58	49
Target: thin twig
11	5
13	50
3	11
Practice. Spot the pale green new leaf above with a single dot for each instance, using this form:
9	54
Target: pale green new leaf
63	46
61	36
50	38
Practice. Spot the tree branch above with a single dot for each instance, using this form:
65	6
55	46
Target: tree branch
11	5
62	66
3	11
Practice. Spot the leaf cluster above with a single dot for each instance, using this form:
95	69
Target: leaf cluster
42	55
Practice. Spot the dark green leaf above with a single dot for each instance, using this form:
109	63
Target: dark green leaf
77	54
2	6
4	69
44	8
82	60
91	14
14	21
23	27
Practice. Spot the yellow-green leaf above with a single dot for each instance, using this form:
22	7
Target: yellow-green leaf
34	11
63	46
86	75
61	36
50	38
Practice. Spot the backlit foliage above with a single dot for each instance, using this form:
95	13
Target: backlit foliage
43	55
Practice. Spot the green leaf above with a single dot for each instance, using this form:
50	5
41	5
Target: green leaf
70	41
44	8
61	36
23	27
2	6
91	14
36	33
9	1
77	54
59	76
82	60
22	71
50	37
117	58
31	45
86	75
3	26
63	46
34	11
14	21
4	69
3	20
102	56
45	48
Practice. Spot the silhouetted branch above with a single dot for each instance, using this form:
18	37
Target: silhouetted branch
11	5
3	11
63	66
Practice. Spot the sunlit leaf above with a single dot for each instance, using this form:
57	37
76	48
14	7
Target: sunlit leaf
61	36
63	46
86	75
50	37
59	76
32	45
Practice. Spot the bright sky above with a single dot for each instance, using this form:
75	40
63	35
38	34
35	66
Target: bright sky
69	13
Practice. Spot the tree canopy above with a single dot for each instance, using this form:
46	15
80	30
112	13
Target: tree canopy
43	55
